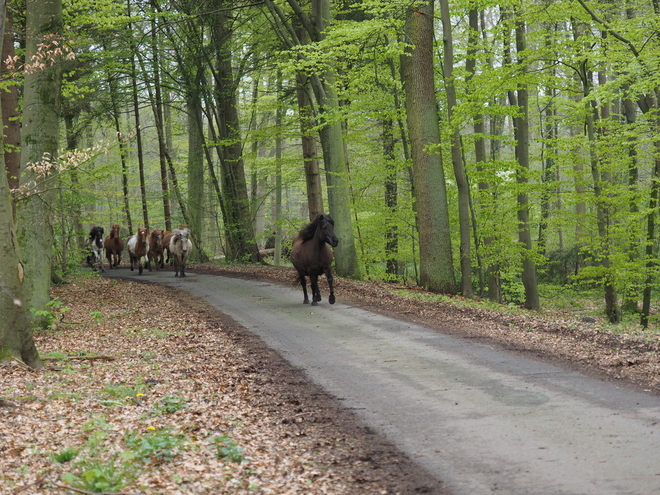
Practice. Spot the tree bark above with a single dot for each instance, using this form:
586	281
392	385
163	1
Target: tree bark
16	339
436	266
456	153
237	204
519	98
40	137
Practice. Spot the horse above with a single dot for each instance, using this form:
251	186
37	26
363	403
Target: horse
312	257
180	247
95	247
155	249
167	237
114	245
138	247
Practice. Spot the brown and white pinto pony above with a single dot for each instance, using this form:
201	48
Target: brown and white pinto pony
114	245
138	247
95	247
180	247
156	249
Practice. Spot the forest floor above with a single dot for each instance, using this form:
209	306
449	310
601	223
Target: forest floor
146	390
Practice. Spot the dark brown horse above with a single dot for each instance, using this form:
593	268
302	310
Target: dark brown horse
114	245
312	257
156	249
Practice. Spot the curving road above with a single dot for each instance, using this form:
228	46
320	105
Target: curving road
482	420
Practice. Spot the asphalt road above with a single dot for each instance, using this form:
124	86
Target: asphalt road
481	419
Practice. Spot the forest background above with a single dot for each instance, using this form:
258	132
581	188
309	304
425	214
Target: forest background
498	149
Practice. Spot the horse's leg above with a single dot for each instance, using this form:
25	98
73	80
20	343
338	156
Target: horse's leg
328	275
316	293
183	265
131	258
176	265
303	282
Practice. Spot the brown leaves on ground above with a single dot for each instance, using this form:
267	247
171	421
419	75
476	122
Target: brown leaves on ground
147	390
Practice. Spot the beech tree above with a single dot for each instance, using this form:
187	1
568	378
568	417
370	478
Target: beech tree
16	324
39	146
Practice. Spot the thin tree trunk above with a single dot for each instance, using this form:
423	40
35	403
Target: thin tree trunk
391	189
519	98
310	159
456	154
122	151
138	129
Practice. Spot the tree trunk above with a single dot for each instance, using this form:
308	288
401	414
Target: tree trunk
138	129
15	325
114	95
195	165
334	158
521	133
10	114
310	160
40	137
436	266
456	153
237	203
391	187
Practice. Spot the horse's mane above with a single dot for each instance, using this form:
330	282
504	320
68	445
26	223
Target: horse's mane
96	230
308	232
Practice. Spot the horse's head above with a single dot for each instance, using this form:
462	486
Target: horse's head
157	237
327	226
114	231
142	233
180	238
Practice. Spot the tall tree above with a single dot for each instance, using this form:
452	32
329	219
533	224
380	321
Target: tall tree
15	325
456	151
520	98
436	265
40	139
238	222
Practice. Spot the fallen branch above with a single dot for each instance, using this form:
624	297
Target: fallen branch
83	358
78	490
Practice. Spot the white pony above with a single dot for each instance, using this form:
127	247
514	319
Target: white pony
180	247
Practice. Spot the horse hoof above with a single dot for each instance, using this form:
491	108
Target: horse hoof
331	299
314	303
306	301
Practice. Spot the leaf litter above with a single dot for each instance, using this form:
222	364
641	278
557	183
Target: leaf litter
147	390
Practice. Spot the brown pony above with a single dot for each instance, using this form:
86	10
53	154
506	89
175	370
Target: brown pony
138	247
114	245
156	248
312	257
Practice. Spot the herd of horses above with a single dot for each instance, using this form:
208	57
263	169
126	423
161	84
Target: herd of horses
144	248
311	253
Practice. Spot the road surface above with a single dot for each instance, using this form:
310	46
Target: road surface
480	419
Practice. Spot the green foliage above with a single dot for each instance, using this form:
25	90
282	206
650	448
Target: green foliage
47	319
101	465
169	404
66	455
157	445
227	449
100	476
124	391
